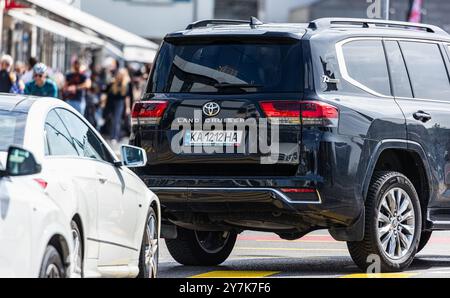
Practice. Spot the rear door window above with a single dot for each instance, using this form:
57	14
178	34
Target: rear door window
228	67
366	63
84	139
427	70
399	75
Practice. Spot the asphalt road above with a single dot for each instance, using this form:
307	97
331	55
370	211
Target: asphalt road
315	255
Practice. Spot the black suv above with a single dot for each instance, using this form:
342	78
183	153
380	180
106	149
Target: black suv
339	124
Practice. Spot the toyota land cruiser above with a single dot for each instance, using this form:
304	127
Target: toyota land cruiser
339	124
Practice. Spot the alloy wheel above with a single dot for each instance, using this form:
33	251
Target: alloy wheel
396	223
212	242
77	256
52	271
151	247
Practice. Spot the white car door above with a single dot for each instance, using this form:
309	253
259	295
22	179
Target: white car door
117	204
117	216
71	179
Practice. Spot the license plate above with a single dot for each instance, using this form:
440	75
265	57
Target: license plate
213	138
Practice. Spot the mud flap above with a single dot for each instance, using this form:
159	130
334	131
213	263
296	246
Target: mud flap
354	232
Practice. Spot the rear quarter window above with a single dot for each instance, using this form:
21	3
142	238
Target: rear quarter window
366	63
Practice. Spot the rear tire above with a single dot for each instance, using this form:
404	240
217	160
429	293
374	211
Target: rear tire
149	255
393	224
77	262
424	239
196	248
52	265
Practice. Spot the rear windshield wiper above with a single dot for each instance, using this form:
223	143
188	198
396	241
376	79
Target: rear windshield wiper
229	85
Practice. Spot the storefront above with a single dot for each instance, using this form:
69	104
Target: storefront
56	32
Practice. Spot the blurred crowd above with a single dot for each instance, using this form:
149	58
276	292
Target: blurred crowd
104	93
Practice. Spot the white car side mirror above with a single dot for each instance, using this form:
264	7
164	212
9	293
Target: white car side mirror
133	157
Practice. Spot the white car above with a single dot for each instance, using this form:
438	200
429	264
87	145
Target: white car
35	237
115	218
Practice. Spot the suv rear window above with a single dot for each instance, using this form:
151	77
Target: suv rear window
227	67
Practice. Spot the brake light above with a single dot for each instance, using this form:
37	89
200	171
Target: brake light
148	112
290	112
42	183
282	111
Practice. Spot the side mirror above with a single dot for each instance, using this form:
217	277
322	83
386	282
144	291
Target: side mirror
133	157
21	162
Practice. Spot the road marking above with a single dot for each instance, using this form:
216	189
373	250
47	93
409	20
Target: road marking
277	238
236	274
440	272
379	275
291	249
298	241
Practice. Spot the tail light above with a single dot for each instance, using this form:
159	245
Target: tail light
148	112
42	183
291	112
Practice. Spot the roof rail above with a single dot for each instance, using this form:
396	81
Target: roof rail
253	22
368	23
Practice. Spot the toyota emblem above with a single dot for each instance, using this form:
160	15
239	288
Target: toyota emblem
211	109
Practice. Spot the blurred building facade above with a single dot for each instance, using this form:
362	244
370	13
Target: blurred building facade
56	32
151	19
434	12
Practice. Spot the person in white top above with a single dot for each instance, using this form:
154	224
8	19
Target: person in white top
28	75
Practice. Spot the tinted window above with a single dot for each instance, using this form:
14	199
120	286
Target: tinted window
58	140
399	75
12	129
199	68
427	70
86	142
366	63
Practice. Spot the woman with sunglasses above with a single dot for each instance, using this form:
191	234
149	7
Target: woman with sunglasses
41	85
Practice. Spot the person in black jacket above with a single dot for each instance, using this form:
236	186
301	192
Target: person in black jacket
118	104
7	77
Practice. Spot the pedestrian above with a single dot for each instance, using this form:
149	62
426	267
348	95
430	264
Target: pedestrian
75	88
28	75
19	86
118	101
41	85
7	77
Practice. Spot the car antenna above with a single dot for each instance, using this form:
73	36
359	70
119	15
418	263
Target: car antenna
255	22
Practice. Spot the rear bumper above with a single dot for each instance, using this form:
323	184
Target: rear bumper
251	204
234	195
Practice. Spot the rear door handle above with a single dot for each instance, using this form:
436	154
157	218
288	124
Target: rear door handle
422	116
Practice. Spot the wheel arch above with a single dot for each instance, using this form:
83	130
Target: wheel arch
59	242
406	157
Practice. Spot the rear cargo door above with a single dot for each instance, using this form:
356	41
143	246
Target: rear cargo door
223	107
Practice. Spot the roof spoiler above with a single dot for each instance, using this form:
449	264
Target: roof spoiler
253	22
370	23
